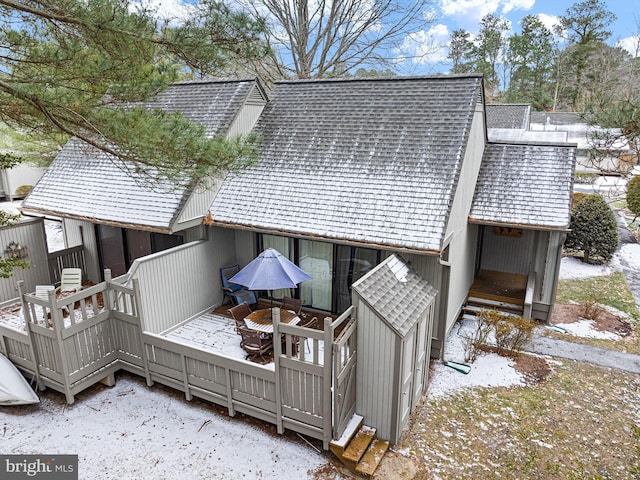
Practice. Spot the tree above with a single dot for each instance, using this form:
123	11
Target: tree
585	26
460	51
70	66
488	47
9	263
331	37
633	196
531	57
594	230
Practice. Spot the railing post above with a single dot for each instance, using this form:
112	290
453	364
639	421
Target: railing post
108	302
327	414
138	314
277	351
58	325
26	316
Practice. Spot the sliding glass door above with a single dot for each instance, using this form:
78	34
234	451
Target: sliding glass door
352	263
333	269
316	258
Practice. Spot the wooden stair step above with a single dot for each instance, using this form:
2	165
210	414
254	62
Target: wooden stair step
372	457
474	310
338	446
494	303
359	444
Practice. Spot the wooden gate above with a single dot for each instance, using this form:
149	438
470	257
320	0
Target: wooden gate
305	383
344	376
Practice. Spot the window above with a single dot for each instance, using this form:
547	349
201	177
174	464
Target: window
119	247
333	269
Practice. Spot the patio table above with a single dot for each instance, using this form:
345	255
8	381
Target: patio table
260	320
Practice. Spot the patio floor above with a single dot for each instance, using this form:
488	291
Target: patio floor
210	331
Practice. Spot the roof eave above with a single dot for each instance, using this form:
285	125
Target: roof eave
111	223
550	228
208	220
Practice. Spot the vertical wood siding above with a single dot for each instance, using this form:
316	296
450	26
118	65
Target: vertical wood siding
375	387
30	234
182	282
507	254
78	232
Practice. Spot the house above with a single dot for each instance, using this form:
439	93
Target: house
387	191
115	212
350	172
615	156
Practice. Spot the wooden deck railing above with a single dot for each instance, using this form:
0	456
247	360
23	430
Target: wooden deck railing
72	257
103	334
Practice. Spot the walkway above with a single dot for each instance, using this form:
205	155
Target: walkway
586	353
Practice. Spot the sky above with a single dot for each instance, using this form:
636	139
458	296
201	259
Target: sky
466	14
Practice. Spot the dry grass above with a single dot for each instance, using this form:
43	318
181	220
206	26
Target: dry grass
583	422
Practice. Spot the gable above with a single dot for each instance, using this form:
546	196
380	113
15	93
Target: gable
371	161
88	184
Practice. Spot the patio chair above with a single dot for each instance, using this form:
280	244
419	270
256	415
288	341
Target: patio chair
236	293
239	312
293	304
42	292
70	280
255	344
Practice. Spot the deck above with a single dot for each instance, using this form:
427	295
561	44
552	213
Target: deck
499	287
211	331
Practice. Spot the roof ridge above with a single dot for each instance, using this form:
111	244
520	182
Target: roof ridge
381	79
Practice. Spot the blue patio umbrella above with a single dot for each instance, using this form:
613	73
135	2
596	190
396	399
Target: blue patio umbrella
270	271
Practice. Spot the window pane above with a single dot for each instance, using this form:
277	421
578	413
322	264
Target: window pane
138	244
111	247
316	258
285	247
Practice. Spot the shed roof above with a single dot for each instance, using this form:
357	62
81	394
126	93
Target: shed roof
364	160
84	182
525	185
508	115
396	293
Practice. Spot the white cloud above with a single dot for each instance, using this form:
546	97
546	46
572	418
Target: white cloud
511	5
631	45
549	21
428	46
167	9
468	13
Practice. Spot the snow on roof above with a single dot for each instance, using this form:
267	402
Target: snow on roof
508	115
397	293
519	135
525	185
365	160
84	182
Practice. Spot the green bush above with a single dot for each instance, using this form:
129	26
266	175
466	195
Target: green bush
594	230
633	195
512	334
23	190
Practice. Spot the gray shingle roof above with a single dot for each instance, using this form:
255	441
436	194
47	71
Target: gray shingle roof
525	185
372	161
508	115
396	293
83	182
